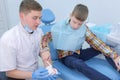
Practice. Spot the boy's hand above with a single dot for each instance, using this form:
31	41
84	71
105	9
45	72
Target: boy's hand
117	63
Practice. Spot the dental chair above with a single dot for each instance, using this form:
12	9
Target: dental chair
100	65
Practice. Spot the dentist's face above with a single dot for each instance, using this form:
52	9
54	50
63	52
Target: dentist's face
32	19
75	23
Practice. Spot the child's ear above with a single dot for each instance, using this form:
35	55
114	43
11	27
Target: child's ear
70	14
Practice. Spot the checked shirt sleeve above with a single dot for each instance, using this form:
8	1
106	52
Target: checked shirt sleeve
45	40
99	45
44	49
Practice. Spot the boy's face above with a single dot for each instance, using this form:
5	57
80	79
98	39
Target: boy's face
75	23
31	19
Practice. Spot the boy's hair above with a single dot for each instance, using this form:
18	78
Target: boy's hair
27	5
80	12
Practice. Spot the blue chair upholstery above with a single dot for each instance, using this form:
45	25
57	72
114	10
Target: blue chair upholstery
101	31
47	16
99	64
70	74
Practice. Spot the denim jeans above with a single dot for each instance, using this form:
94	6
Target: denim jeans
2	76
76	61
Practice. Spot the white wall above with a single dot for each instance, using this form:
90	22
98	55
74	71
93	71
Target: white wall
100	11
3	17
13	13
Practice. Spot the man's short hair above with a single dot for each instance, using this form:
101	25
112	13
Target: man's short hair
27	5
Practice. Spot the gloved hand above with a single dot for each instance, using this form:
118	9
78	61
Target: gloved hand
40	74
53	77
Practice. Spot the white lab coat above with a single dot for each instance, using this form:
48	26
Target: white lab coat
20	50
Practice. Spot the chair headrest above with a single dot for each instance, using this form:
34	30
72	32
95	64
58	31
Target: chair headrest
47	16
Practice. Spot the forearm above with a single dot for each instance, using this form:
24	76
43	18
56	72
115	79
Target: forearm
46	58
45	40
47	63
99	45
19	74
44	49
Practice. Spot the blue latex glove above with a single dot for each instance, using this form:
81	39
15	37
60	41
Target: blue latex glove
40	74
53	77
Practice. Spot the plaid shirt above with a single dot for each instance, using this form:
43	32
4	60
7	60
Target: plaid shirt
99	45
91	39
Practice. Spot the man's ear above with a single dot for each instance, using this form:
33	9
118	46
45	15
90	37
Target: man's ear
21	15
